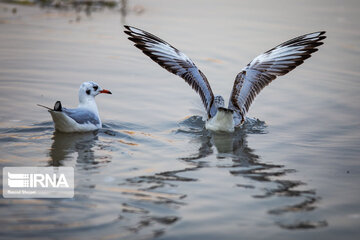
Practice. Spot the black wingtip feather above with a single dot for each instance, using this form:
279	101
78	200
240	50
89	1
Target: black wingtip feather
57	106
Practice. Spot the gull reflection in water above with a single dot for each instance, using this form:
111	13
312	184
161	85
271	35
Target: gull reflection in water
245	163
65	145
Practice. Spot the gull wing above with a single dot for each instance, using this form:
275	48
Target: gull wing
81	115
267	66
175	62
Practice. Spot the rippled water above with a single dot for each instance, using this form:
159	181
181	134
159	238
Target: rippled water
291	172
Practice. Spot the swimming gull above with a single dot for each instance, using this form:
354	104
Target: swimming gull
85	117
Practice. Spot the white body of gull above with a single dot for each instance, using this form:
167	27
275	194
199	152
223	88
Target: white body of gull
248	83
85	117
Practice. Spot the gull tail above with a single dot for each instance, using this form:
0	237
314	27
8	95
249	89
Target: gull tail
57	107
222	121
225	111
45	107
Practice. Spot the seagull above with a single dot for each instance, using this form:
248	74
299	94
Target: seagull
85	117
248	83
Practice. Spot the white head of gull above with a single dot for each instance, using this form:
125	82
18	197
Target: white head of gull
85	117
248	83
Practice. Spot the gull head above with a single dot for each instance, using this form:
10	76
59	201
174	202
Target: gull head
88	91
219	101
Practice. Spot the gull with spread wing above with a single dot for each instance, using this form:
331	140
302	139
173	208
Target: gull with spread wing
248	83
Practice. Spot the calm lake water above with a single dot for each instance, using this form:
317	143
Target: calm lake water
292	172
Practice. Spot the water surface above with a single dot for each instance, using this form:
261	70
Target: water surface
292	172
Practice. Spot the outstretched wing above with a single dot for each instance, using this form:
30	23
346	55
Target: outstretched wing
267	66
175	62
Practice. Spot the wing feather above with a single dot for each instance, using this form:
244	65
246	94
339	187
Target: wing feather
266	67
175	62
81	115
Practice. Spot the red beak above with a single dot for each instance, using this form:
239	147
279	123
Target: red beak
105	91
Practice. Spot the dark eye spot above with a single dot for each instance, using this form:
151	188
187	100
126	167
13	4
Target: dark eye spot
96	88
88	92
